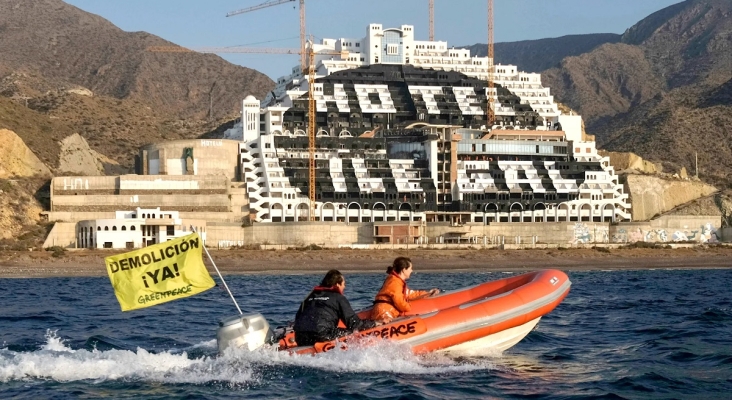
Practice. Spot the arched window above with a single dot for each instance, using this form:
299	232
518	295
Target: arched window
114	227
132	228
106	228
99	228
124	228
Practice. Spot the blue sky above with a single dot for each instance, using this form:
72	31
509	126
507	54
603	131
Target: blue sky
199	23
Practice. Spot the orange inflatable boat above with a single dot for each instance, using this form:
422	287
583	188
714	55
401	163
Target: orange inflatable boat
495	315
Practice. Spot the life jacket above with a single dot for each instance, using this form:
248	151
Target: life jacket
393	298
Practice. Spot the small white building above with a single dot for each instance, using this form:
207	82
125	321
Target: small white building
135	229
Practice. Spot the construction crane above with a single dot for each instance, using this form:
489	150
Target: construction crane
271	3
310	70
490	115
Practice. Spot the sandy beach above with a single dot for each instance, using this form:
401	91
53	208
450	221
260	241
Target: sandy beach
91	262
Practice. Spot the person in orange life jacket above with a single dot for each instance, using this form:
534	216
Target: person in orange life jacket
318	316
394	296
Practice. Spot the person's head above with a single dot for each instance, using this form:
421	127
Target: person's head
334	278
401	266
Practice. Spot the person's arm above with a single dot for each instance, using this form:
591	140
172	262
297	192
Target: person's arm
416	294
419	294
349	317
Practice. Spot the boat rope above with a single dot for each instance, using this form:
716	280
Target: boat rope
220	276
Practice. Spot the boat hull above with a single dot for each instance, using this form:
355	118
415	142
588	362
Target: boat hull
496	342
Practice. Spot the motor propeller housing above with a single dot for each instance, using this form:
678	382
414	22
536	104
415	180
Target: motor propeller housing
247	331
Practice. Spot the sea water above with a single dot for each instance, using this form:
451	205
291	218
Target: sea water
640	334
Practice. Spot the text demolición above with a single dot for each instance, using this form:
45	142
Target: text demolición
126	264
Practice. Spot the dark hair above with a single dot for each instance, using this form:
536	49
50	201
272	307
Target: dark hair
399	265
332	278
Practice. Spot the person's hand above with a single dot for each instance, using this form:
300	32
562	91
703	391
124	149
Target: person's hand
434	291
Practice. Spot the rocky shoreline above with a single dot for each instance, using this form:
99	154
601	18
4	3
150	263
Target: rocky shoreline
90	263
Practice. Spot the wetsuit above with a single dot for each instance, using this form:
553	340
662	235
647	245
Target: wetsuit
318	316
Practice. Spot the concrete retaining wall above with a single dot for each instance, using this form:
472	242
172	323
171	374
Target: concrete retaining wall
670	229
62	234
165	202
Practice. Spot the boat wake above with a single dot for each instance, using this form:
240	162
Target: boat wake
104	359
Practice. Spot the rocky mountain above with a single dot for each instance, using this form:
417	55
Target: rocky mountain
66	71
662	90
66	45
17	159
542	54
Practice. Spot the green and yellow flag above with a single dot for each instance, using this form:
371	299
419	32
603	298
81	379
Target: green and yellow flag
159	273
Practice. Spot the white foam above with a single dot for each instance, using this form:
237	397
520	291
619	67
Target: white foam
381	356
55	361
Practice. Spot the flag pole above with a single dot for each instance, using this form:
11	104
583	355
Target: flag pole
219	272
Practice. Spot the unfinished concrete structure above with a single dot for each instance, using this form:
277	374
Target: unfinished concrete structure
190	157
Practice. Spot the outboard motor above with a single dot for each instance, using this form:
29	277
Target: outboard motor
249	331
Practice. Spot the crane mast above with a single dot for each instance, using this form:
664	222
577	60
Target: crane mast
311	129
432	20
490	115
302	33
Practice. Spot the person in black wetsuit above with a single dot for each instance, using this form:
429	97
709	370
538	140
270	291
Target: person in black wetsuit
318	316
